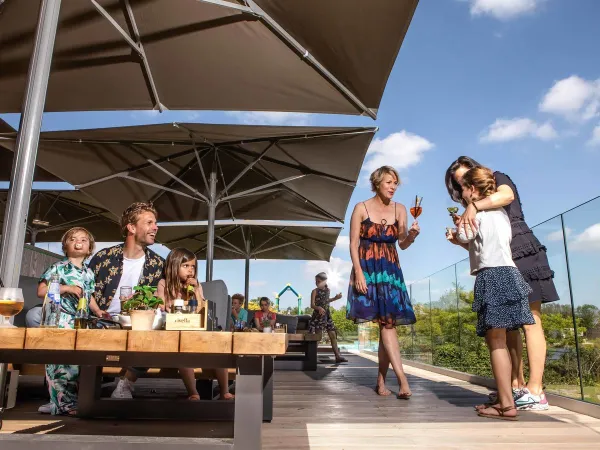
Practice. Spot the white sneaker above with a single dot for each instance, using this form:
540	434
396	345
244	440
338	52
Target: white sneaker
124	389
45	409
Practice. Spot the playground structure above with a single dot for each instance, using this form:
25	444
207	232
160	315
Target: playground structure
288	287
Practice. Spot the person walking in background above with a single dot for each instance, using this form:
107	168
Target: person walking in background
530	258
377	291
76	281
321	318
501	293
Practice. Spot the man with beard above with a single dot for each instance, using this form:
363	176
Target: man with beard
129	264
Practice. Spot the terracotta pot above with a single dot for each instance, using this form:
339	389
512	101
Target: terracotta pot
142	320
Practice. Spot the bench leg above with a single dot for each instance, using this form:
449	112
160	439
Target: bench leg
13	385
310	360
90	384
268	388
247	427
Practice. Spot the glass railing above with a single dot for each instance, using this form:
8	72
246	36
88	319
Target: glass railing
444	334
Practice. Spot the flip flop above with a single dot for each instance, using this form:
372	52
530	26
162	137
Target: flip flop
500	415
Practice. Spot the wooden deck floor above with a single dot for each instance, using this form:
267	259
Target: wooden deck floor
336	408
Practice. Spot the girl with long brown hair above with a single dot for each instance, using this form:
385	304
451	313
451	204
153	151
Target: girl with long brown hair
179	275
501	293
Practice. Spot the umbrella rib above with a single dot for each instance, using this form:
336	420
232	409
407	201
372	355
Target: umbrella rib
318	241
268	176
287	39
158	186
191	135
247	168
264	186
145	64
179	180
230	244
273	236
229	5
225	189
275	247
114	23
229	250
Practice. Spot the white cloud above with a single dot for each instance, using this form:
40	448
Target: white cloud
594	141
503	130
272	118
558	234
258	283
573	98
588	241
503	9
337	270
400	150
342	244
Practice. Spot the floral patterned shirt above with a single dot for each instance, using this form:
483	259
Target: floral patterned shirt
107	266
71	275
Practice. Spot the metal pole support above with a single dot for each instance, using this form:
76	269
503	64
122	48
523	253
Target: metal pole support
212	207
13	233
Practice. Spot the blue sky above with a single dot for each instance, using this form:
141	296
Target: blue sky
514	84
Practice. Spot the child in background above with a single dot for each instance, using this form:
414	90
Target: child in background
321	319
76	281
238	313
260	317
501	293
179	274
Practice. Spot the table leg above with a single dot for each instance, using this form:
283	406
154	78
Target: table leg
90	385
3	376
310	360
247	434
268	388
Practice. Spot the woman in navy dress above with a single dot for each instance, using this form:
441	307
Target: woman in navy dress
529	255
377	292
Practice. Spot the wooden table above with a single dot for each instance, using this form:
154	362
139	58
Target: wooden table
301	352
250	353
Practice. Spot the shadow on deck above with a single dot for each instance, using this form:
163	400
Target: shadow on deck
336	408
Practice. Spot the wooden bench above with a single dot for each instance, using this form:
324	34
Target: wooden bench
301	353
250	353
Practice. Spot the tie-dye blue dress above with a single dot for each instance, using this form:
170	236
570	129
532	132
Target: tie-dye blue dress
386	300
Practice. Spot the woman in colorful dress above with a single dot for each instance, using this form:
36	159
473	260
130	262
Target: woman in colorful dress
321	319
76	281
377	291
530	258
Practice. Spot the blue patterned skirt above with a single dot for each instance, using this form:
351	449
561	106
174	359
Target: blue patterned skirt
501	300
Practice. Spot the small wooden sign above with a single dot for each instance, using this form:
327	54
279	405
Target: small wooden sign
181	322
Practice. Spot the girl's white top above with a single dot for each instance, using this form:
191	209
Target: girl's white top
489	245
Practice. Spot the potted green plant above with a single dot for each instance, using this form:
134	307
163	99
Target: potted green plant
142	307
266	324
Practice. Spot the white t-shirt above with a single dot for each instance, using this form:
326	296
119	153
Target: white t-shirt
489	246
132	272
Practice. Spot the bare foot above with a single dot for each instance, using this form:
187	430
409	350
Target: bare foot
226	396
404	391
194	397
382	390
486	405
509	413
